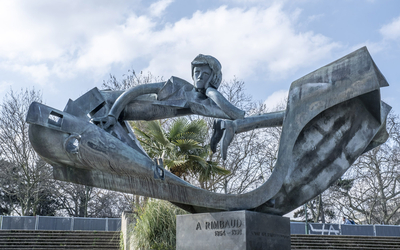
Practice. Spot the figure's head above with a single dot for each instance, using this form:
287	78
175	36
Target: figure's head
206	72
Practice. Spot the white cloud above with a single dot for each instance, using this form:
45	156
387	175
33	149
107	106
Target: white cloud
53	33
250	2
41	30
391	31
63	39
373	47
314	18
38	72
277	99
158	8
4	86
244	40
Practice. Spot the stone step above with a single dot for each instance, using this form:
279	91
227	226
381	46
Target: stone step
316	236
344	242
57	232
51	244
348	241
36	247
23	239
345	247
59	241
57	236
353	240
351	246
60	235
54	241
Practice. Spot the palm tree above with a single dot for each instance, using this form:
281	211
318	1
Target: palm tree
181	148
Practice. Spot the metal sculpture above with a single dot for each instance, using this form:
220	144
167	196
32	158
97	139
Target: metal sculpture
333	115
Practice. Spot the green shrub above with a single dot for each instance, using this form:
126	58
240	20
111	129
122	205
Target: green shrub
156	226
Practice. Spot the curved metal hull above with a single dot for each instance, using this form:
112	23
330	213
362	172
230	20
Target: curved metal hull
334	115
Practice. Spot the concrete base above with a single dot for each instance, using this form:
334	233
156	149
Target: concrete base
127	219
242	230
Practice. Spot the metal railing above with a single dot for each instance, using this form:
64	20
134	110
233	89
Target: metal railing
344	229
59	223
114	224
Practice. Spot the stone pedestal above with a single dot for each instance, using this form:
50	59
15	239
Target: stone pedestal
241	230
127	223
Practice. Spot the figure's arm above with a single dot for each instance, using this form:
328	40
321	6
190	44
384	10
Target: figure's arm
128	96
132	93
232	111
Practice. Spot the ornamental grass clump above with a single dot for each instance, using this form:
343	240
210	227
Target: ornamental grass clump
156	226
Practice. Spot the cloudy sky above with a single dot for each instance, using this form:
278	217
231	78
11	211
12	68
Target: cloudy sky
66	47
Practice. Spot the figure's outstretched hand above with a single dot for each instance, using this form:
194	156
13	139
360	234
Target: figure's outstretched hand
105	122
229	128
216	136
223	131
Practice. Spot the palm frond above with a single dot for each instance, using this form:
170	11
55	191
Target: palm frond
197	127
155	130
171	163
177	128
212	170
198	161
186	145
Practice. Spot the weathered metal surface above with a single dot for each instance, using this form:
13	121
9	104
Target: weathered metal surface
334	114
238	230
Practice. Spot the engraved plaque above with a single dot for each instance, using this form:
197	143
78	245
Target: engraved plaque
233	230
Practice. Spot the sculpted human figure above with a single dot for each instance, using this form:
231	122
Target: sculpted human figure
177	97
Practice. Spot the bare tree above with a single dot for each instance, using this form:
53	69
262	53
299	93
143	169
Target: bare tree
110	204
8	199
26	177
130	80
370	191
318	209
84	201
252	155
74	199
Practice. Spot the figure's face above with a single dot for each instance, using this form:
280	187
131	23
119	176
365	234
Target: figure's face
201	76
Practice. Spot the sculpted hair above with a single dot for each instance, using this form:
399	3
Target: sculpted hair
215	66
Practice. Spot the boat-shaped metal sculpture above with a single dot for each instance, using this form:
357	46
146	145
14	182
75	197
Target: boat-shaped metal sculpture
333	115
